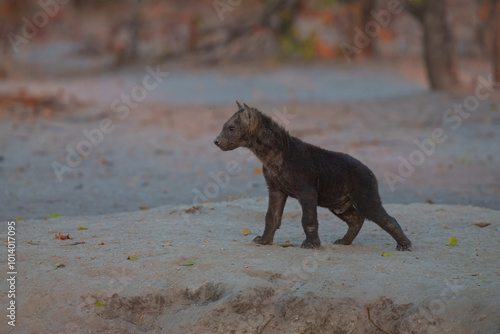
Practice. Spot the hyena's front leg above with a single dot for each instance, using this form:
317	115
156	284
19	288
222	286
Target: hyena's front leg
309	201
277	201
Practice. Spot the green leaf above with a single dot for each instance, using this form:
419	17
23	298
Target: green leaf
189	263
55	215
387	254
81	228
132	258
57	265
99	304
453	241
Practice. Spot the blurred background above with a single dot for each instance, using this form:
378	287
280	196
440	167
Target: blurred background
370	78
66	37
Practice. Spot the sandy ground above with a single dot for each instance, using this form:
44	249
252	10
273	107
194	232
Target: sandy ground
163	154
236	286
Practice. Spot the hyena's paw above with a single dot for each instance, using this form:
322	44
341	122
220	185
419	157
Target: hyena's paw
261	241
404	246
311	243
342	242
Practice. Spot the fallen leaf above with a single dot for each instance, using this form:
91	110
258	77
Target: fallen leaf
59	265
193	209
387	254
257	171
81	228
206	241
99	244
189	263
287	244
143	207
207	201
99	304
246	232
452	242
482	224
62	237
132	258
19	218
55	215
249	266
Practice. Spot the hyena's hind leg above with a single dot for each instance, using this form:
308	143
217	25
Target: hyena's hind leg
377	214
354	222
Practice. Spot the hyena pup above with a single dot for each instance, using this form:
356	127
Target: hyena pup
312	175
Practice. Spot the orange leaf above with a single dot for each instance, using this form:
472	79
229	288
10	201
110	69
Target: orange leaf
324	50
246	232
257	171
62	237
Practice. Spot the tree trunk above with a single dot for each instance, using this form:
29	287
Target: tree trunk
366	7
496	43
134	26
439	48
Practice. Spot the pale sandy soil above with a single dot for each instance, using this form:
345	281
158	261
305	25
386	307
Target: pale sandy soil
237	287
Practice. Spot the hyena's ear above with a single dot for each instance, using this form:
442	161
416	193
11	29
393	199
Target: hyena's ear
249	117
239	105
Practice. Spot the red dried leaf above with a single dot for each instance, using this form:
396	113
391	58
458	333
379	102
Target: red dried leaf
63	237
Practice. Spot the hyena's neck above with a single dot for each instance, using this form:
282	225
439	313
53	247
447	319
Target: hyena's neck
270	142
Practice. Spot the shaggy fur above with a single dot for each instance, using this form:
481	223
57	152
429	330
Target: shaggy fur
314	176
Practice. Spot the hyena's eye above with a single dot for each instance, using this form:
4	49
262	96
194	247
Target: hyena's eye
231	128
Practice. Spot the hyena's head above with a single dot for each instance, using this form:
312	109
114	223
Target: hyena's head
239	129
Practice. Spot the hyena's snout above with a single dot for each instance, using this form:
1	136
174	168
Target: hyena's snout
223	143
